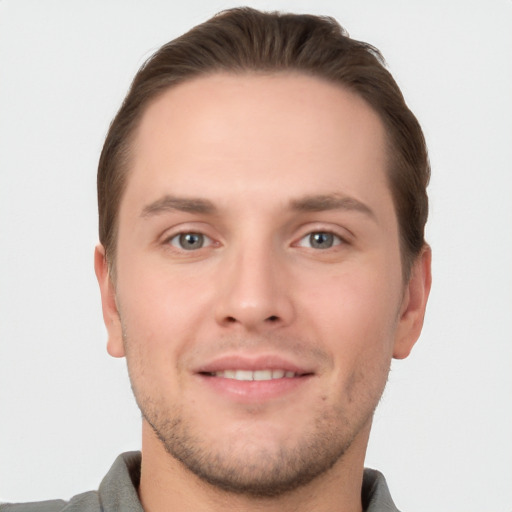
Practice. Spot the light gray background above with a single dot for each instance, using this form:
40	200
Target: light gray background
442	434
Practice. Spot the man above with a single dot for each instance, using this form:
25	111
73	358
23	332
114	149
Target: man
262	206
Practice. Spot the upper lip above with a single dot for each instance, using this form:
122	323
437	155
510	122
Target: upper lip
253	363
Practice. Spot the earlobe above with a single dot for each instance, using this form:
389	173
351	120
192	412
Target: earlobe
108	304
414	304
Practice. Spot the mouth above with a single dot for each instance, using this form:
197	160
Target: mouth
254	379
250	375
255	367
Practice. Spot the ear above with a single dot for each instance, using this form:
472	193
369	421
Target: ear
412	311
108	304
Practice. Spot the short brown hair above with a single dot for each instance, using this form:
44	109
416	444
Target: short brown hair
244	40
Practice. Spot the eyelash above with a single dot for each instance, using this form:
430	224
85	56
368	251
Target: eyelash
177	240
179	237
336	239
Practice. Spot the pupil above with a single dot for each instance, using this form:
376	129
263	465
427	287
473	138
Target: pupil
321	240
191	241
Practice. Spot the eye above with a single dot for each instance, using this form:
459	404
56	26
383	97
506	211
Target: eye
190	241
320	240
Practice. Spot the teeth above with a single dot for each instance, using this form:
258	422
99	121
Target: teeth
262	375
243	375
254	375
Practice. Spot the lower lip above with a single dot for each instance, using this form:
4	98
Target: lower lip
254	390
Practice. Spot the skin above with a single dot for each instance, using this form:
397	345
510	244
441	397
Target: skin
262	168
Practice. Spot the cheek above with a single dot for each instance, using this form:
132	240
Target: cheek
358	320
162	315
153	295
355	313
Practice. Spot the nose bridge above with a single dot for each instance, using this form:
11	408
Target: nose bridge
253	292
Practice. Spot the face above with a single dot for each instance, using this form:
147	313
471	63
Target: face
259	295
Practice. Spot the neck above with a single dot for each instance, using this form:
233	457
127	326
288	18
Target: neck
168	485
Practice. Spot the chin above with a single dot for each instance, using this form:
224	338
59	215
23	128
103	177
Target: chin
261	460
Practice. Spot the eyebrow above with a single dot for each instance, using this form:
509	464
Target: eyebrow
311	203
325	202
183	204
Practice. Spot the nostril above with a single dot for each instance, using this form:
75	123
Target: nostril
229	320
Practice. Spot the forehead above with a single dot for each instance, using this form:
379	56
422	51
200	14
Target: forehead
291	131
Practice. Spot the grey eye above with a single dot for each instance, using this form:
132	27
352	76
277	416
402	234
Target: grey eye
189	241
320	240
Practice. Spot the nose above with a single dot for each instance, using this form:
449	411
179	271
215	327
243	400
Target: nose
254	292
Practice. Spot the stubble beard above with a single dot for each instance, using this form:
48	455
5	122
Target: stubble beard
253	471
243	466
246	468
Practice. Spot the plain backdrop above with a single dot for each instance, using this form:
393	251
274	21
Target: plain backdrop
443	432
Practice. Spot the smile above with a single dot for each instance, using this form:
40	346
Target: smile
247	375
250	380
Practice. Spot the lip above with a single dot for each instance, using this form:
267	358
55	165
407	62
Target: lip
254	363
253	391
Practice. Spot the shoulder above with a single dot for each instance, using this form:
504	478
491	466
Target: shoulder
85	502
39	506
117	491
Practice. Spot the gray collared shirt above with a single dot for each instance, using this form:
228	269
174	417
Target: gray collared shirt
118	493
